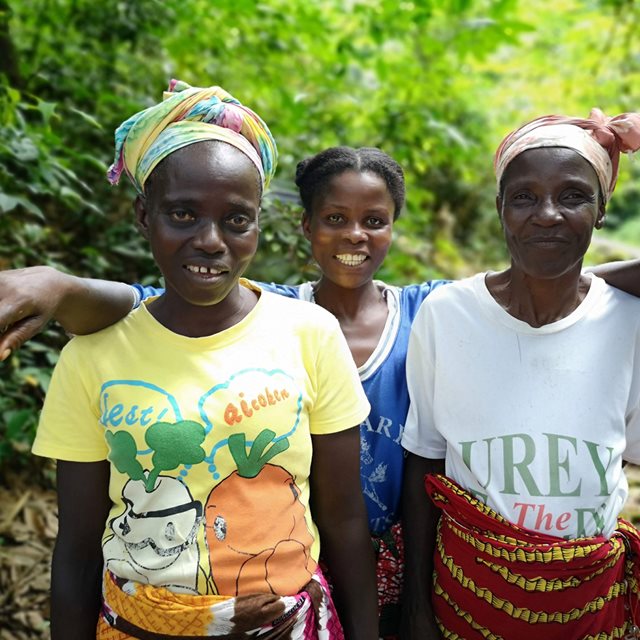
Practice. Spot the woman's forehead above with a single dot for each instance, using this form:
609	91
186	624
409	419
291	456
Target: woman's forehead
201	164
549	163
205	153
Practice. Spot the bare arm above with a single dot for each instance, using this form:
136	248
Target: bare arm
340	514
623	275
30	297
76	572
419	523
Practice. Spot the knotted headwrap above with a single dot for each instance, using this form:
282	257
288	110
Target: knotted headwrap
598	139
188	115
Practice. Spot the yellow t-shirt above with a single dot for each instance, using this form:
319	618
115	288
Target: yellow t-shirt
209	442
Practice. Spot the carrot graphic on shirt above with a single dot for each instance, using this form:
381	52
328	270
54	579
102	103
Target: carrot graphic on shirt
256	531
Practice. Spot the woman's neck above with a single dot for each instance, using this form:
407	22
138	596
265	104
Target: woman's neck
193	321
348	304
538	301
362	314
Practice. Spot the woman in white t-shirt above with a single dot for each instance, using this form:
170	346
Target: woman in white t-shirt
525	390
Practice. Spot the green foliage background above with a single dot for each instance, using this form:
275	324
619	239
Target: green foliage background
434	83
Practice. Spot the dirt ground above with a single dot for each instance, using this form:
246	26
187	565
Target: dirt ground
28	527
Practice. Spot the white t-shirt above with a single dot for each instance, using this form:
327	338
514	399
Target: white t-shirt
534	421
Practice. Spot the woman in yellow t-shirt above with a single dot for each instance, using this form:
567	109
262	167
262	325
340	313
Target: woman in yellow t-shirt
205	443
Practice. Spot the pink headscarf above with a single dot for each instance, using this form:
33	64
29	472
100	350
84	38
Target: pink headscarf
598	139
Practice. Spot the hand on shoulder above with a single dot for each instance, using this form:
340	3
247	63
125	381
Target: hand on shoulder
28	300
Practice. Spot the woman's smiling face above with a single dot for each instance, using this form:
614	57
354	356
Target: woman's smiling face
549	206
201	219
350	227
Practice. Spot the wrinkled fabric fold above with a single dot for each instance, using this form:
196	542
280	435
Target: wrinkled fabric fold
389	550
145	612
598	139
186	116
493	579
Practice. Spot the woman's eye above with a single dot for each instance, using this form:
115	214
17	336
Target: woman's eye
238	221
376	222
575	196
334	218
522	199
181	216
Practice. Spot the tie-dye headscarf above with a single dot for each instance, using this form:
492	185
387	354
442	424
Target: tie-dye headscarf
188	115
598	139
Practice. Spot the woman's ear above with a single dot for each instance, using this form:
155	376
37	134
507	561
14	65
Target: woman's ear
142	217
306	225
602	214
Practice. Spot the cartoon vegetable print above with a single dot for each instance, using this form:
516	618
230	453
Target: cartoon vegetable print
255	523
123	454
154	538
173	444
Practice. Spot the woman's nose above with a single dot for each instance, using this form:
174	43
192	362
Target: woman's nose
548	213
208	237
356	234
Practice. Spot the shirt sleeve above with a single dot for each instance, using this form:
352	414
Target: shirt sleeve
142	292
632	449
420	435
414	294
431	285
340	401
69	427
286	290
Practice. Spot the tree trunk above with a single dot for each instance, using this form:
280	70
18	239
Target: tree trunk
8	54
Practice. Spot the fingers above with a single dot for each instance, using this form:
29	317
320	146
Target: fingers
5	351
12	337
25	307
11	316
15	307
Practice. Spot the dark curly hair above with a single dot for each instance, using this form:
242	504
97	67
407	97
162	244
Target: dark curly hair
313	174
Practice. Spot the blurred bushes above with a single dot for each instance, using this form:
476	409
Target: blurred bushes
435	83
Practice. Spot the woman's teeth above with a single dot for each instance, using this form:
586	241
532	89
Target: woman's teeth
351	260
208	270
